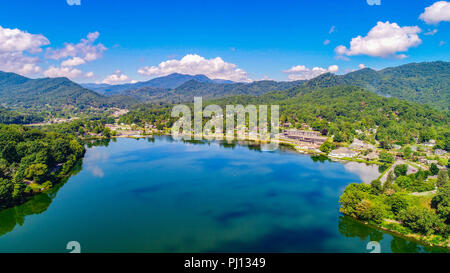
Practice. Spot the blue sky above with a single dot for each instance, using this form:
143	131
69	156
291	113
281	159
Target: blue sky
254	39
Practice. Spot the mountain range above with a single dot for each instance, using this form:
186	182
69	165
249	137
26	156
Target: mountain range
167	82
425	83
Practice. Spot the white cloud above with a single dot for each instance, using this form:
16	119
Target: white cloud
15	40
301	72
68	72
85	49
13	44
193	64
326	42
383	40
361	66
90	74
18	63
431	32
117	78
75	61
332	29
74	2
436	13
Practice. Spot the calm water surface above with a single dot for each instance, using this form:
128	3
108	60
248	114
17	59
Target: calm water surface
159	195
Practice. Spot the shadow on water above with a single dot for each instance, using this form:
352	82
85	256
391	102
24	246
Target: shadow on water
352	228
37	204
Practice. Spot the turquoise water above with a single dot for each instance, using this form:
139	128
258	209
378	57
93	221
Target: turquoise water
159	195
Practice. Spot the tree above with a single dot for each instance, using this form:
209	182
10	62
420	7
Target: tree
386	157
420	220
441	203
376	186
6	190
352	196
398	202
338	137
404	182
400	170
9	152
434	169
326	147
442	178
407	152
36	172
369	211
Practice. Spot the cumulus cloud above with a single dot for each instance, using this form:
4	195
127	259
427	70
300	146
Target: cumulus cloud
18	63
383	40
15	40
14	43
436	13
117	78
74	55
85	49
301	72
54	72
361	66
68	72
193	64
75	61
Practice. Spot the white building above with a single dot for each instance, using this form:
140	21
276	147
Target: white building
343	152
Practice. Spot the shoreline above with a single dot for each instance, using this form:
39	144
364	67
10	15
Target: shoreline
417	238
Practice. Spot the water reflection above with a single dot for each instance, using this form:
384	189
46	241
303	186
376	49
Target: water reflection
264	202
352	228
11	217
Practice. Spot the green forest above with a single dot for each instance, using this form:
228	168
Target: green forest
32	161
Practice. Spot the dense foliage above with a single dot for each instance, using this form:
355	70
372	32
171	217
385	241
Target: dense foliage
13	117
425	83
393	206
340	111
51	93
32	160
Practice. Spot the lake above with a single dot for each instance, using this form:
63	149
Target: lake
161	195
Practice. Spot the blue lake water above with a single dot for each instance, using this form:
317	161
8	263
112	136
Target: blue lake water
160	195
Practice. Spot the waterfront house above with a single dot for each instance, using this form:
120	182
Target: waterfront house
305	136
359	144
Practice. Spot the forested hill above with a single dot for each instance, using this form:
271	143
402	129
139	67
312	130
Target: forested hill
343	109
20	92
425	83
207	90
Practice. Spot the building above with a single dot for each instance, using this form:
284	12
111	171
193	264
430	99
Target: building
343	152
439	152
305	136
359	144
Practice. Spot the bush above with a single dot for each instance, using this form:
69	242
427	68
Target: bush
401	170
434	169
386	157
